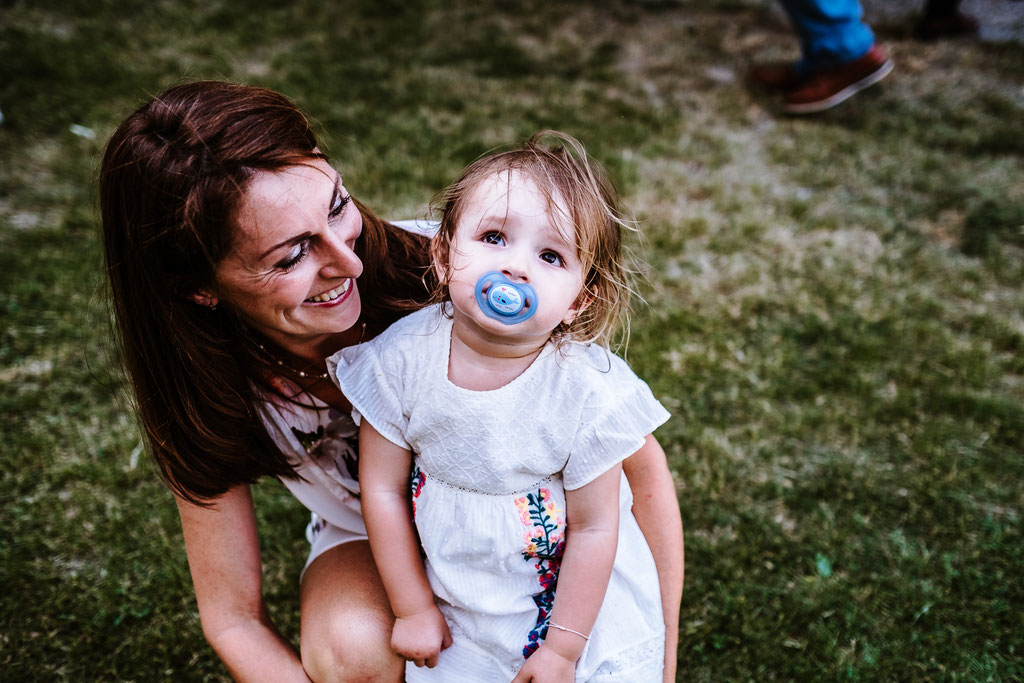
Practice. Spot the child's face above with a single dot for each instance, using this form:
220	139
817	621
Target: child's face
508	226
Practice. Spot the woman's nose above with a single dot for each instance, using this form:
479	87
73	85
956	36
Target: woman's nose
339	260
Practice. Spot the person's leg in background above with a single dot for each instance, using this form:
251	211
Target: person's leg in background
943	19
831	32
839	56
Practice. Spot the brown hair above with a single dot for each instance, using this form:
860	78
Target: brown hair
562	170
172	176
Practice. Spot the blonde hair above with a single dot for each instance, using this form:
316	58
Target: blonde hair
562	171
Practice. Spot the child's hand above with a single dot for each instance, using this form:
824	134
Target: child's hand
546	666
420	637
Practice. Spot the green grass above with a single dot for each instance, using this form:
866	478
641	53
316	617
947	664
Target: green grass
834	316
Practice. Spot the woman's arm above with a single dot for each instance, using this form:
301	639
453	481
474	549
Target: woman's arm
592	531
656	509
224	558
420	631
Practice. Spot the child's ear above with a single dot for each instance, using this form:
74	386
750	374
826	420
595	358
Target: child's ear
581	304
204	297
441	271
440	265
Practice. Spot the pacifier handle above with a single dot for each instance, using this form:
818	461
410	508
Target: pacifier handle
501	299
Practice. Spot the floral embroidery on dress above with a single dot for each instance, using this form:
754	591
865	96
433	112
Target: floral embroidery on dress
337	443
545	542
416	482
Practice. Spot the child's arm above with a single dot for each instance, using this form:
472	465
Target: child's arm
656	509
592	533
420	631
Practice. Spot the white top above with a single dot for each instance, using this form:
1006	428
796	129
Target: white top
576	411
488	496
321	441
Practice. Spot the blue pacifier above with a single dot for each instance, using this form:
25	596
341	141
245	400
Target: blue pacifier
504	300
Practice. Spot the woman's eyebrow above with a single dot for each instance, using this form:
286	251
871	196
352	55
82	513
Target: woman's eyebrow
337	190
286	243
298	238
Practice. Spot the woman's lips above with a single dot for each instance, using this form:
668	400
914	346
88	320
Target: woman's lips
332	296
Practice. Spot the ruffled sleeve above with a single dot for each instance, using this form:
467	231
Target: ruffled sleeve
619	412
373	384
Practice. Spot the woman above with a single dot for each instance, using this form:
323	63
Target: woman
238	262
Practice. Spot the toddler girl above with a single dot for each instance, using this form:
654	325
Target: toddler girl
512	416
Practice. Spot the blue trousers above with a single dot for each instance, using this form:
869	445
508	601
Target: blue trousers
831	32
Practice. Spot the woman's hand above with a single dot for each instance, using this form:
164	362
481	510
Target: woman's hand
546	665
421	637
656	509
224	558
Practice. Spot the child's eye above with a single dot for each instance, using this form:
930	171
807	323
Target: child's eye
293	258
339	205
551	257
493	238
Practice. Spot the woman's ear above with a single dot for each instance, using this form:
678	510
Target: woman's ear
205	298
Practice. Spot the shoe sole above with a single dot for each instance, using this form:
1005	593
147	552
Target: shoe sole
844	94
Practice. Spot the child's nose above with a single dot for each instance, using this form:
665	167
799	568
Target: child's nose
515	273
515	268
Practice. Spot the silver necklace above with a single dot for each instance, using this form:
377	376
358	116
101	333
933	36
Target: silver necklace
304	375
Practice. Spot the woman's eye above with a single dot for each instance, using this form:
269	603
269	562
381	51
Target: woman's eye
294	256
493	238
339	205
551	257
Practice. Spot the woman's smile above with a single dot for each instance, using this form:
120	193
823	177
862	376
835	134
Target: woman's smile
331	297
292	276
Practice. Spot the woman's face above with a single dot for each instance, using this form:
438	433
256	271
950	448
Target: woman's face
291	274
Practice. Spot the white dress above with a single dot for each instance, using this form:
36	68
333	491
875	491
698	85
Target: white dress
488	493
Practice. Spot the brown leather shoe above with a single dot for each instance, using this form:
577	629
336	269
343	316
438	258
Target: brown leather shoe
779	76
828	87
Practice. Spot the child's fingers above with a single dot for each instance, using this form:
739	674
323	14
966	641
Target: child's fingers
427	660
420	656
525	674
446	641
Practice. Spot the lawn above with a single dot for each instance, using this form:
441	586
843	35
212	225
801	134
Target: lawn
834	314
